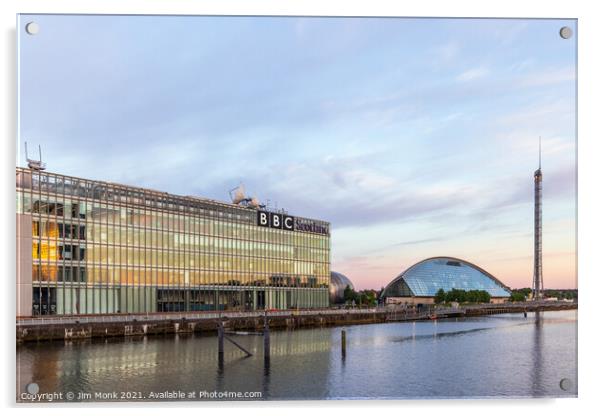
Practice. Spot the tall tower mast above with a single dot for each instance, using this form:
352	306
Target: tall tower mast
537	266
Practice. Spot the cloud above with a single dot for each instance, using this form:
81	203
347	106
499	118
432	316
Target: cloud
539	78
536	114
558	183
472	74
522	65
381	250
447	52
368	197
422	241
508	32
330	119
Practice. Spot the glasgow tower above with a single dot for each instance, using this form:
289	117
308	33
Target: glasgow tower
537	267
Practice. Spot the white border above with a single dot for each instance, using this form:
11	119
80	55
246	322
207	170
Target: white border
590	33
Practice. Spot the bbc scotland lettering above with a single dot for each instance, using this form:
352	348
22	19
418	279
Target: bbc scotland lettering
289	223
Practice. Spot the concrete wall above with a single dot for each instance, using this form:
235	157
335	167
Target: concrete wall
24	262
44	332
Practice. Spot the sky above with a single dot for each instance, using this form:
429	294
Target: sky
414	138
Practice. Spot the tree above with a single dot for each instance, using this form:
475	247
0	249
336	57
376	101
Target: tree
456	295
517	296
440	296
461	296
348	294
371	298
526	291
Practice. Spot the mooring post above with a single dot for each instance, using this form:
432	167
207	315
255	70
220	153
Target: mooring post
266	337
343	343
525	312
220	341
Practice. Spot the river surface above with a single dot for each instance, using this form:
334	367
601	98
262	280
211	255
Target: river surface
490	356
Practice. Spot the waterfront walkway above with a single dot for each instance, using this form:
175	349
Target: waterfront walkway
172	316
390	312
439	312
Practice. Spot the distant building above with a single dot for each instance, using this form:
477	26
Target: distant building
420	283
338	283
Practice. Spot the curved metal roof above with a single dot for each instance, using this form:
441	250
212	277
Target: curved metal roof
426	277
338	283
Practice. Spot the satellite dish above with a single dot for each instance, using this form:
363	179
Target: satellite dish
32	163
238	198
238	194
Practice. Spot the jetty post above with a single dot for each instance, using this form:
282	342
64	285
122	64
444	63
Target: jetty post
220	341
266	337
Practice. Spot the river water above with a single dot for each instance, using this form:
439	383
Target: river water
491	356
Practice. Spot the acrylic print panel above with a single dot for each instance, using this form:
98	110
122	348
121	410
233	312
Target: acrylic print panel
279	208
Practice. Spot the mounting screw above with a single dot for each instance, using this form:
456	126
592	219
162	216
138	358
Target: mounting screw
32	388
566	384
32	28
566	32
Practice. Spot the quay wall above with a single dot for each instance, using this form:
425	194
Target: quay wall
33	330
82	330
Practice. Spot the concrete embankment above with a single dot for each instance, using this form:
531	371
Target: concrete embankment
45	331
139	325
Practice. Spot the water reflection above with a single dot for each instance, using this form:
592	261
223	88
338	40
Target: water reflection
266	376
473	357
537	353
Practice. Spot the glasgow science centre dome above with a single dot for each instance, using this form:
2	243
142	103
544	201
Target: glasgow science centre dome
338	283
425	278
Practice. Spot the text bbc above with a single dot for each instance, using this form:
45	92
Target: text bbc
273	220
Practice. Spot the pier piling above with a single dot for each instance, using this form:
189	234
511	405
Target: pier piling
220	341
343	343
266	338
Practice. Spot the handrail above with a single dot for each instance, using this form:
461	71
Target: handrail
186	316
208	315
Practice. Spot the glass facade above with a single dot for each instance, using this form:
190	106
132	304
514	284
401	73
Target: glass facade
428	276
99	248
338	284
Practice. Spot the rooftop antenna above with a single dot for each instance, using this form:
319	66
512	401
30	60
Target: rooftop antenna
32	163
539	152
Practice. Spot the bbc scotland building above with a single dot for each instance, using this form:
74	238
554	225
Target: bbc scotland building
92	247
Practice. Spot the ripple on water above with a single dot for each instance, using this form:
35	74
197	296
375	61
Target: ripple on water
503	355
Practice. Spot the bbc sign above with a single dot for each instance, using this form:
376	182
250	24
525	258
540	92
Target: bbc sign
289	223
274	220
